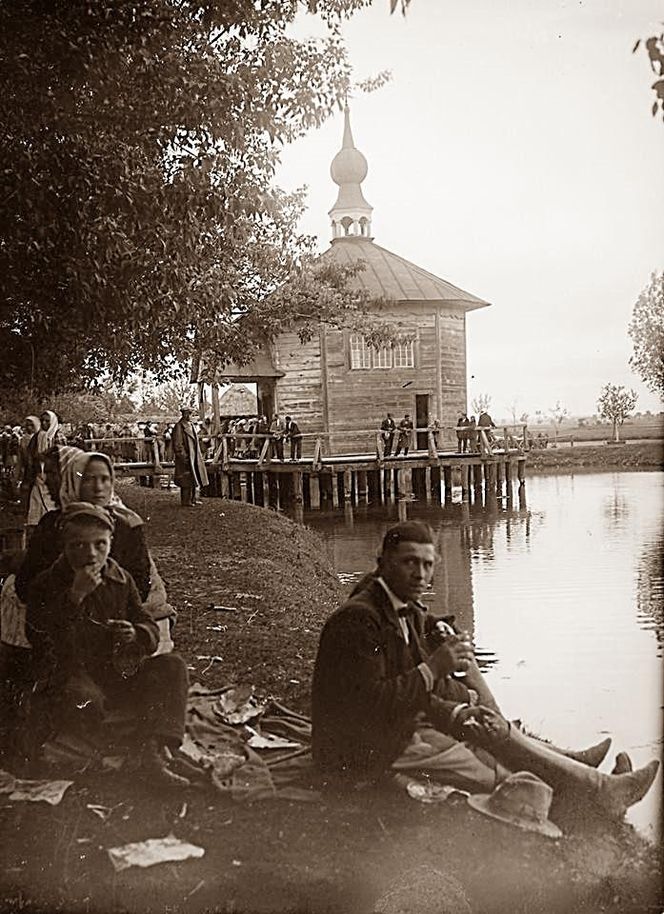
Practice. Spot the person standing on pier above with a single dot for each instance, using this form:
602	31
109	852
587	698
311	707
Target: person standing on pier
387	429
405	435
486	423
461	434
277	430
190	472
294	435
473	438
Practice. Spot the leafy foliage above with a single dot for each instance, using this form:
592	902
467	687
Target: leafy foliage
654	47
647	332
615	403
139	221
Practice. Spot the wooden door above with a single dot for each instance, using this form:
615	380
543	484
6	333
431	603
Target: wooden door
421	419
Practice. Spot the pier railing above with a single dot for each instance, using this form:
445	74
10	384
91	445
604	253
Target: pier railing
154	455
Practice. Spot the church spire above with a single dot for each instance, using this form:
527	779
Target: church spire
351	214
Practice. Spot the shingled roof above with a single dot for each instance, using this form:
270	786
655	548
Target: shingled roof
386	275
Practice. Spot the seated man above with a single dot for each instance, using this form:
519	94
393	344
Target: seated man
385	698
92	642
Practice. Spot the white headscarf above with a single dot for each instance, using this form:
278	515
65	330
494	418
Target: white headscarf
45	438
70	486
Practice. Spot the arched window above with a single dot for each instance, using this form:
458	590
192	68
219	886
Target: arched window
404	355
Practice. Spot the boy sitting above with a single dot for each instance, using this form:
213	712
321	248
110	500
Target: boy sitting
92	642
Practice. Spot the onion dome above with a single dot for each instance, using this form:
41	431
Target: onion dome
351	214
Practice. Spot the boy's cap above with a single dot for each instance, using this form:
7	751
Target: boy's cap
80	509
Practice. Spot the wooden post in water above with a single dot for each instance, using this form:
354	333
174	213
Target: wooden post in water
521	471
273	490
298	495
407	482
500	466
477	482
491	485
362	486
398	491
447	479
465	493
224	484
435	483
348	486
374	487
427	484
314	491
387	488
335	490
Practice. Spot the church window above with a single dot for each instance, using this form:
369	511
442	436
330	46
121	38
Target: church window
404	355
360	354
382	358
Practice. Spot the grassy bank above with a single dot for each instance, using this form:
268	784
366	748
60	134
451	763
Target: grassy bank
337	854
643	455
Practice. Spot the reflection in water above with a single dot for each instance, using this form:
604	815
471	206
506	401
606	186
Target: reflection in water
565	602
650	589
616	510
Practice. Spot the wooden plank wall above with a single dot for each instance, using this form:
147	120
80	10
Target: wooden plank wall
299	393
359	398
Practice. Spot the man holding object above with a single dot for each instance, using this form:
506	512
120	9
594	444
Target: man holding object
385	698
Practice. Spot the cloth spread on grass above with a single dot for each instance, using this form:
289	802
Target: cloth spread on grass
269	758
250	750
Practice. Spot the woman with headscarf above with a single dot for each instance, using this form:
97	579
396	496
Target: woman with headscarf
45	437
88	477
31	426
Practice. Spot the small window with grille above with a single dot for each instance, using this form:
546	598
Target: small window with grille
382	358
360	354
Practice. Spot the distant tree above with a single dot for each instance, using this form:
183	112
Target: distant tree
615	403
647	332
169	396
558	414
481	403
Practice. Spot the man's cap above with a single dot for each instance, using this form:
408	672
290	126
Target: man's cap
77	510
186	409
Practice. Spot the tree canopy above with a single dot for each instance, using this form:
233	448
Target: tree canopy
139	220
615	403
647	332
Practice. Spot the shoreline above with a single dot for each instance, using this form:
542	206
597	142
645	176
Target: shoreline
643	455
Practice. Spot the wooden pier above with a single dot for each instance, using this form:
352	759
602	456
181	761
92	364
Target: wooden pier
491	475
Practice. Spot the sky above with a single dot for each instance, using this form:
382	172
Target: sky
514	154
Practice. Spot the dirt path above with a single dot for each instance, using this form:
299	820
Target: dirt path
337	854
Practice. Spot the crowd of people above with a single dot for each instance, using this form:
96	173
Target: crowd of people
467	433
247	436
22	447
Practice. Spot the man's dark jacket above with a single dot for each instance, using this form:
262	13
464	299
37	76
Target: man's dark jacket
367	690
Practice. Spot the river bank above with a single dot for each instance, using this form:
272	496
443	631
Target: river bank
632	455
336	854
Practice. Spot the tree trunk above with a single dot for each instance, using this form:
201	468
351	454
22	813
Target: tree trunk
616	430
